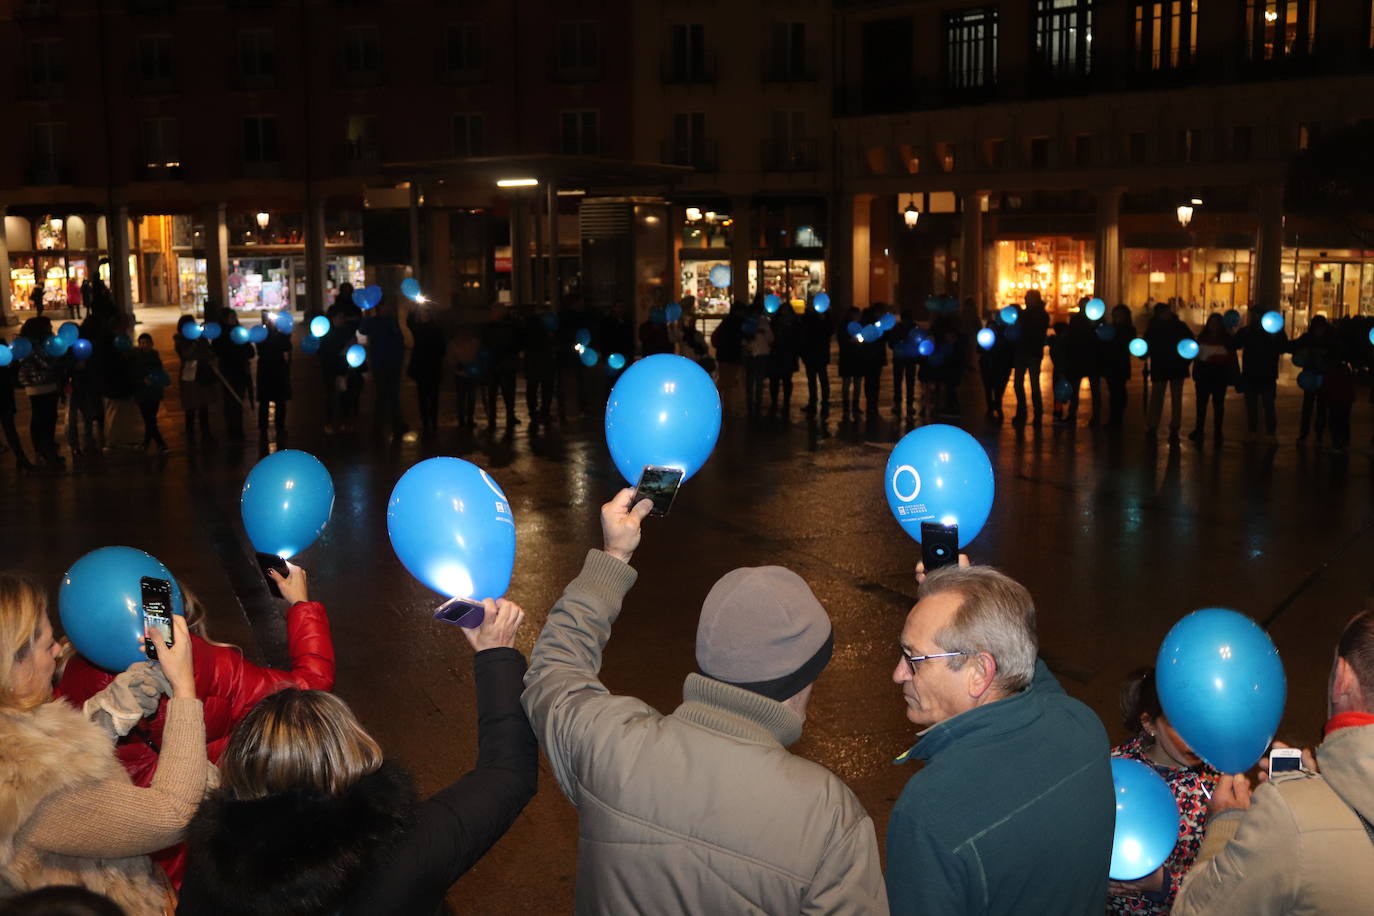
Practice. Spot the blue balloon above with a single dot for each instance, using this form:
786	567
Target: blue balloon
284	323
190	331
926	347
1147	820
550	321
372	294
410	288
286	502
1106	333
657	316
69	332
1095	309
589	357
888	321
939	473
870	333
1231	318
771	303
238	334
55	346
82	349
720	276
1309	380
257	333
1301	357
355	355
821	302
452	528
584	337
360	299
310	345
672	311
1187	348
159	378
123	343
1371	336
986	338
100	601
664	411
210	330
1222	686
1009	314
855	329
1063	389
6	355
1272	322
616	361
1139	347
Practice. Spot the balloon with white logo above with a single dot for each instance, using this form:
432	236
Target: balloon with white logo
939	473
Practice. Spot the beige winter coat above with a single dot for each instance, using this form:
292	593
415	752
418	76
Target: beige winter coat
1299	848
69	815
700	812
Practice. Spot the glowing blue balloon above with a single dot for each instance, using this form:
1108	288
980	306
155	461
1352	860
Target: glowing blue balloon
664	411
6	355
310	345
410	288
210	330
123	343
452	528
1139	347
1147	820
190	331
887	322
1187	348
284	323
82	349
854	328
1063	389
616	361
1309	380
771	303
1231	318
372	294
69	332
939	473
1222	686
720	276
1009	314
1106	333
926	347
1095	309
672	311
657	316
100	601
286	502
1371	336
55	346
870	333
584	337
238	334
257	333
1272	322
589	357
821	302
360	299
355	355
986	338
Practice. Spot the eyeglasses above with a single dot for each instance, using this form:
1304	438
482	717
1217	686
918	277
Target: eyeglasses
911	660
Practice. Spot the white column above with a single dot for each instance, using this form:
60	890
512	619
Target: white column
1268	247
5	304
1107	251
971	256
216	231
315	260
741	245
117	228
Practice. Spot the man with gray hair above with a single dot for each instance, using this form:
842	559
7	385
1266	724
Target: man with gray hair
1014	809
703	811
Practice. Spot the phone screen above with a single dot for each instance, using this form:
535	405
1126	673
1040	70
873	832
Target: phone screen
465	613
1282	763
157	613
939	545
660	485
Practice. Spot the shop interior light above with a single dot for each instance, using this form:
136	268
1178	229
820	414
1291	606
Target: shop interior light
910	215
263	219
693	214
572	192
517	182
56	223
1196	201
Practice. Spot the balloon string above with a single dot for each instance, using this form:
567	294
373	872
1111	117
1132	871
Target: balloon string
1313	576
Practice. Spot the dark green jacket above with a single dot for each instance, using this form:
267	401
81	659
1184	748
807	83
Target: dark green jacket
1012	814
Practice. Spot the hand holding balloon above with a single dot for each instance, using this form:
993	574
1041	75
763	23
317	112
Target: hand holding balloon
501	620
293	586
620	524
1153	883
964	561
175	660
1232	793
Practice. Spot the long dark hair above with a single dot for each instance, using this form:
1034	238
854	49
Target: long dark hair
1138	697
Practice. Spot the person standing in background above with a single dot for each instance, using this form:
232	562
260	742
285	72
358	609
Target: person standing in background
426	364
145	367
816	329
9	380
274	383
233	359
386	350
1034	322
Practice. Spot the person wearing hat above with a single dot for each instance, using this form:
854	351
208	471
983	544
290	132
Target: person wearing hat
703	810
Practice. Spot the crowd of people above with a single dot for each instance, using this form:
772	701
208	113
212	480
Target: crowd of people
201	783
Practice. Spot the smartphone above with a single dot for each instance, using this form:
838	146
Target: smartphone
658	484
939	545
157	614
268	562
1284	760
461	611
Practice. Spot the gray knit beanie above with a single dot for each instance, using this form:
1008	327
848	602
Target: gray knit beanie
762	629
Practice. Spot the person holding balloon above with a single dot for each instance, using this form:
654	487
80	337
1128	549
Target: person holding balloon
817	327
1168	368
1312	351
41	375
233	359
1260	353
198	379
757	332
1114	358
851	366
71	814
1034	323
145	366
1159	746
9	381
273	383
1213	372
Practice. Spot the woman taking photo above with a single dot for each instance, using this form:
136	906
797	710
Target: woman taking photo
310	820
71	815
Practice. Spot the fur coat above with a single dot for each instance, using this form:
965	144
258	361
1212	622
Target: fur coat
45	752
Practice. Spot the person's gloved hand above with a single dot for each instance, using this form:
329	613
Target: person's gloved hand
132	695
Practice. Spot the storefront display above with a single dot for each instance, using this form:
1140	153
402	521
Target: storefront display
1334	283
794	278
1059	268
1198	281
343	269
260	283
192	288
695	281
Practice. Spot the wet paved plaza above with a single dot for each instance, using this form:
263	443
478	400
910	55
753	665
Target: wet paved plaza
1115	537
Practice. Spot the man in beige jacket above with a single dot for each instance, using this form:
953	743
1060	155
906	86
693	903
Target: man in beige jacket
1304	843
703	811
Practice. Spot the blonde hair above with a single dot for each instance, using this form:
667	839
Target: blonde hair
297	739
23	608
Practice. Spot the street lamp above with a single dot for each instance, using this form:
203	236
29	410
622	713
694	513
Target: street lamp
517	182
1185	215
910	215
263	218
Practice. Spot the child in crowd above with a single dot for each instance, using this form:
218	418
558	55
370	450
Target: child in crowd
150	379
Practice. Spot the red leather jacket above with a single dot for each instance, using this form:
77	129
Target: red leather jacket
227	684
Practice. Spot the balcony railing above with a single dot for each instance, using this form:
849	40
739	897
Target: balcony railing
789	155
701	155
676	69
782	66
